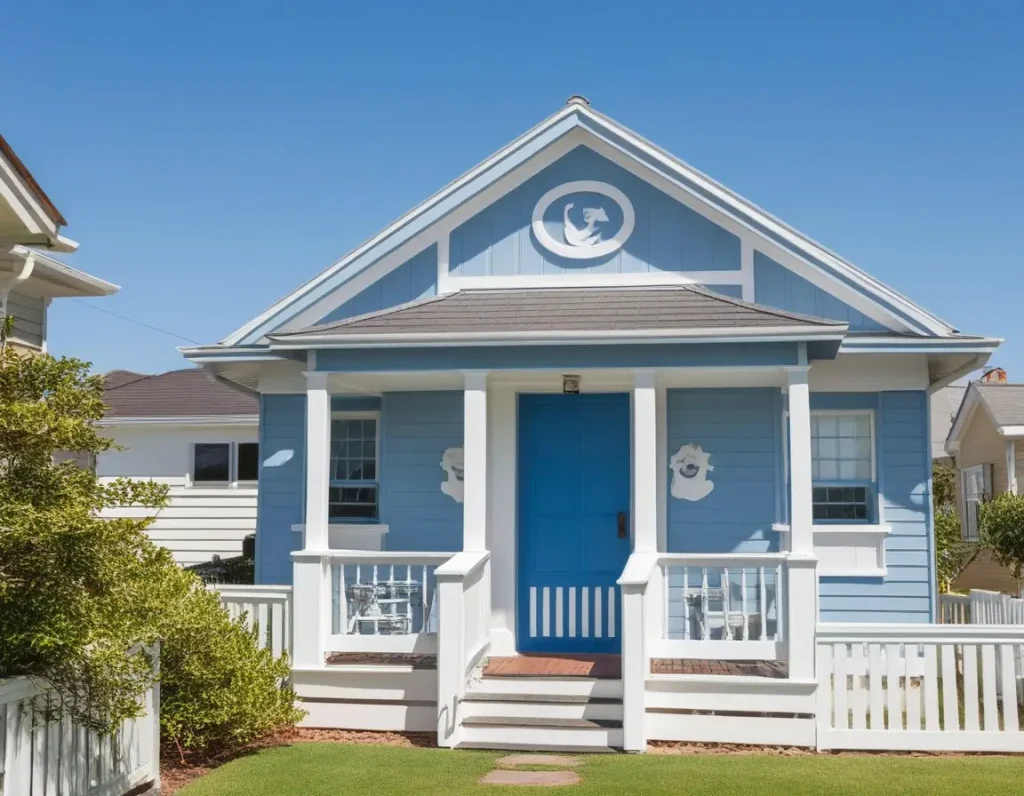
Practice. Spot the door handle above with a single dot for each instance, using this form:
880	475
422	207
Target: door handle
623	531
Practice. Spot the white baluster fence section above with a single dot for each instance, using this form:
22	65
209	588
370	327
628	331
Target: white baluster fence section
995	608
62	759
954	609
464	599
383	601
920	687
267	608
727	606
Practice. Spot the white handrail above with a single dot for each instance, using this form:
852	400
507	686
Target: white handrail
462	565
398	558
720	559
851	632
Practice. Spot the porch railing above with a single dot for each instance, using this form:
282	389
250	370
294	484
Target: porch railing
267	609
383	601
727	606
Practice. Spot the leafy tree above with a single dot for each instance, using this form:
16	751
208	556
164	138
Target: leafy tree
79	590
1001	523
953	554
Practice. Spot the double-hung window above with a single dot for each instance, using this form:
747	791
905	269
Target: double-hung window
975	488
843	466
225	462
354	493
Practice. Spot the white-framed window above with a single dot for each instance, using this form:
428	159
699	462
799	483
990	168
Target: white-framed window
975	489
216	463
354	494
843	466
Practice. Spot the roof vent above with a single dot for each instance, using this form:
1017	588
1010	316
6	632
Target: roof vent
577	99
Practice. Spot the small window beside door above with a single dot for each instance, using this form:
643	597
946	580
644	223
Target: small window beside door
225	462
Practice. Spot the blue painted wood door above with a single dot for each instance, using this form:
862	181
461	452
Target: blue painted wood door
573	482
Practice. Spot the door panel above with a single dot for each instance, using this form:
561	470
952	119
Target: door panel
574	480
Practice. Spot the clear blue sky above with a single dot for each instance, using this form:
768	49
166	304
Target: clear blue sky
210	155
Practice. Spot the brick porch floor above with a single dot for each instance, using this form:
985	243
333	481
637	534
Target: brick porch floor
610	667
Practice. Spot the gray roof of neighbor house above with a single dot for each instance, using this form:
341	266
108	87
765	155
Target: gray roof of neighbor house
191	392
590	309
945	404
1005	402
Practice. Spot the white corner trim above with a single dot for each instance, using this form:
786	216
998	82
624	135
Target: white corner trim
444	244
747	268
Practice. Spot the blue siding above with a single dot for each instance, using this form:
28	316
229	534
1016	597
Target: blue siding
740	428
416	428
777	286
668	236
412	280
558	357
906	594
733	291
281	485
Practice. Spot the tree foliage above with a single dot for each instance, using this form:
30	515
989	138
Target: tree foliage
953	554
1001	523
79	590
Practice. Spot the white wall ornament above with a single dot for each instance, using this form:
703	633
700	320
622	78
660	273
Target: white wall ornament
590	240
690	467
452	464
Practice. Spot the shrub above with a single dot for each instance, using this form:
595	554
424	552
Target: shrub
217	688
1001	523
952	553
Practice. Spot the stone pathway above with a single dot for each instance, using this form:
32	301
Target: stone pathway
511	771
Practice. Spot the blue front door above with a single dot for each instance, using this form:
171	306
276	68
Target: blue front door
574	470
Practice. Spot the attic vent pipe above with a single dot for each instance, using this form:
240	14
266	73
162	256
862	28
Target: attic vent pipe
577	99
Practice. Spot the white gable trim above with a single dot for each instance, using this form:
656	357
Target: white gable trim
577	117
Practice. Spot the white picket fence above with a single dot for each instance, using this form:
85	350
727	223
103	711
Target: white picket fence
62	759
268	608
920	687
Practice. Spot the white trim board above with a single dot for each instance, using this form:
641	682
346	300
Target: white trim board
604	135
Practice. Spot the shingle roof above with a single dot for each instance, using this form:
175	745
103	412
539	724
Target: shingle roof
568	310
191	392
1004	401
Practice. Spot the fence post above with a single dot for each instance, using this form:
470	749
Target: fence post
634	664
154	718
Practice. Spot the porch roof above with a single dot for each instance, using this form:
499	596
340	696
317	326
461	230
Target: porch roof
682	311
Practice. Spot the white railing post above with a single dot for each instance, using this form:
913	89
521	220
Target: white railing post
450	646
645	463
474	506
637	622
801	566
310	609
318	460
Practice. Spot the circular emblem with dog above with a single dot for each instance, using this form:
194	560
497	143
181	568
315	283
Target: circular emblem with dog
584	219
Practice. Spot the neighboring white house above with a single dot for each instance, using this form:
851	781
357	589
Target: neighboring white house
29	278
200	437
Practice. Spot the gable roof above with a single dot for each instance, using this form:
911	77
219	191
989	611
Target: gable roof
191	393
790	245
1003	404
30	182
549	313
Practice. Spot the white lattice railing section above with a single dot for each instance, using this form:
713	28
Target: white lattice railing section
268	609
727	606
920	687
62	759
464	622
383	601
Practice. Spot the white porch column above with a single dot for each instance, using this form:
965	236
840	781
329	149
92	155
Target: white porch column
645	462
1011	466
474	506
318	460
801	566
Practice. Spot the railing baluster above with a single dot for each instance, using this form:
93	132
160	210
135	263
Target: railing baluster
425	603
744	608
763	604
342	601
726	604
705	632
686	602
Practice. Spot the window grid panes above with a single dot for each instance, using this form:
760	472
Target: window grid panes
841	503
841	447
353	493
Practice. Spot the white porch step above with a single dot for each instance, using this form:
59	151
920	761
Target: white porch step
484	706
565	735
546	689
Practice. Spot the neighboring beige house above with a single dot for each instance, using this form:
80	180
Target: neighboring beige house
201	438
29	277
986	442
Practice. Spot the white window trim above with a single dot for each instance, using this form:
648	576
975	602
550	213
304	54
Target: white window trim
819	412
361	415
232	482
965	474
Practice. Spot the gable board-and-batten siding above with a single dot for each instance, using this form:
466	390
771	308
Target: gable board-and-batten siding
199	522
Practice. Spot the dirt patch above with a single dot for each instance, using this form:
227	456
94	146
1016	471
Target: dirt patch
544	779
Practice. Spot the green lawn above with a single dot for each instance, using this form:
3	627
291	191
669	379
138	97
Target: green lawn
325	769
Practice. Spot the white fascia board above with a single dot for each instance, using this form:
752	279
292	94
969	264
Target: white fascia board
1012	432
873	286
185	420
737	335
73	281
963	417
23	202
210	354
882	344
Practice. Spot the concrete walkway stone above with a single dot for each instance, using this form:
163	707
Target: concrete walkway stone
557	761
548	779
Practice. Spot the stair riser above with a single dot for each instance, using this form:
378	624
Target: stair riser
542	738
543	710
541	688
